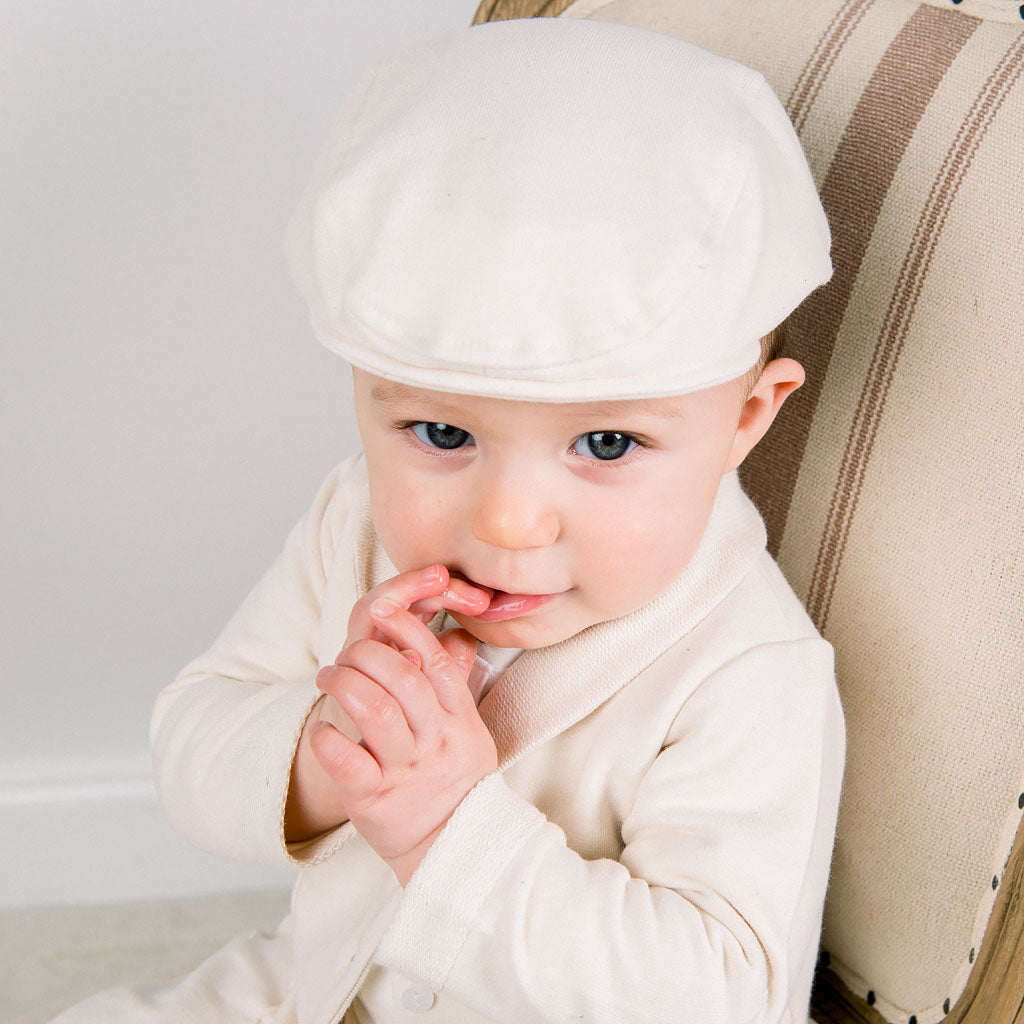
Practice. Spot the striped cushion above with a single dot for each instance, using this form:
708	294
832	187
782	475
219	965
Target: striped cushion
892	483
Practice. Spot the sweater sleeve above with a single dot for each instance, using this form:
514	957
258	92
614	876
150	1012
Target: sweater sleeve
712	911
223	734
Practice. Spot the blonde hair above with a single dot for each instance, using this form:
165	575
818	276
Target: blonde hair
771	348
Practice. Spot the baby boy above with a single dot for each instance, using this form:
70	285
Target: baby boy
574	749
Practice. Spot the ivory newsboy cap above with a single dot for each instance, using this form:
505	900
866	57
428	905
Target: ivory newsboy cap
558	210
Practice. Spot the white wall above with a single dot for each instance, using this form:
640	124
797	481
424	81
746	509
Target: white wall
165	414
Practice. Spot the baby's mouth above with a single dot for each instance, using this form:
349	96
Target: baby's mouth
504	605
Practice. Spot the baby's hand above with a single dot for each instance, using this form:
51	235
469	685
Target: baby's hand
423	593
423	746
315	802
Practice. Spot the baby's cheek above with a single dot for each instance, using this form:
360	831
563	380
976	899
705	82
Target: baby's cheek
408	544
655	559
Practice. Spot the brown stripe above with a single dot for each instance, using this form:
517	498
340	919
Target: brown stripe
819	64
896	326
759	471
506	10
855	187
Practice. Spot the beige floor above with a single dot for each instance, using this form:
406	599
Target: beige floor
52	957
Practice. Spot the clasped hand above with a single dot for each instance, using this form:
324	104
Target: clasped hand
422	745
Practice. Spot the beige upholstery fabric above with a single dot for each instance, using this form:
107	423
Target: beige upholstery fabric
892	484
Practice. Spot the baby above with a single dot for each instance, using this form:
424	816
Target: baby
574	749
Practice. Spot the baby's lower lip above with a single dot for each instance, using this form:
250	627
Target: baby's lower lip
509	606
504	605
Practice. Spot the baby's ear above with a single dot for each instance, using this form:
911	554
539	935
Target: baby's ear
778	380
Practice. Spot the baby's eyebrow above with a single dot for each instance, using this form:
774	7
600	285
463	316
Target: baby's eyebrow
437	405
664	408
390	391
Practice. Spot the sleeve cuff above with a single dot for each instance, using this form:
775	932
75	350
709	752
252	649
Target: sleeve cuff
446	892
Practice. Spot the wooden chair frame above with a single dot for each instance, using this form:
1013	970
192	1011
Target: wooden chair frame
994	993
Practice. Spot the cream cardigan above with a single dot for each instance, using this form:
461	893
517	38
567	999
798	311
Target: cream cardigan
654	846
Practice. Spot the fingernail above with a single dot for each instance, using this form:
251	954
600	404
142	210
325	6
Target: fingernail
432	573
411	655
382	608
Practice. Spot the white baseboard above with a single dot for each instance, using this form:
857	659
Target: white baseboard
91	832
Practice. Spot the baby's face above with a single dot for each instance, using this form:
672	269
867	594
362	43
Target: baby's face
572	514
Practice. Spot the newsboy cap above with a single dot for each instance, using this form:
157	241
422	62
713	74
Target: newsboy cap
558	210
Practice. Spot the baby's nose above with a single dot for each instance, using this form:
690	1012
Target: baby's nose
515	518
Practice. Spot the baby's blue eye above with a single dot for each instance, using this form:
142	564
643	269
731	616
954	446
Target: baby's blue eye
606	445
442	435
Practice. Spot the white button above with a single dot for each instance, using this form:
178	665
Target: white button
417	999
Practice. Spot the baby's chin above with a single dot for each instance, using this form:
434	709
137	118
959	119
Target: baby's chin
526	632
